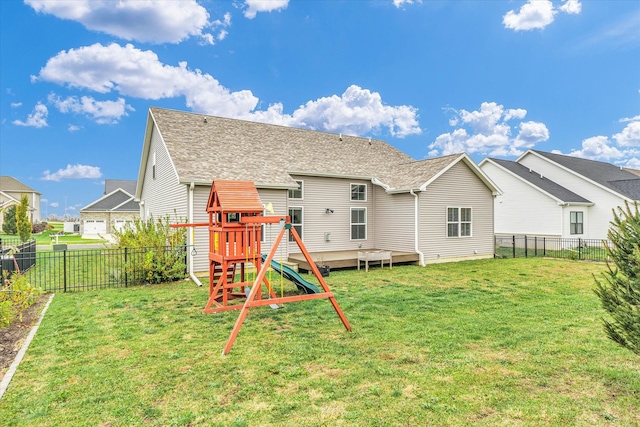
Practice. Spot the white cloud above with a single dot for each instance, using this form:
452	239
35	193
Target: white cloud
573	7
73	128
36	119
16	104
255	6
630	135
356	112
597	148
54	204
133	72
73	172
152	21
400	3
486	131
103	112
538	14
630	119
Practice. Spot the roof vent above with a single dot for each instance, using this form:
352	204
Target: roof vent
205	120
340	137
369	140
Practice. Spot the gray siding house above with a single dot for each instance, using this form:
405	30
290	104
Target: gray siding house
113	211
11	191
344	194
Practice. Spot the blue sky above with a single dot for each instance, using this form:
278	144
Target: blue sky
490	78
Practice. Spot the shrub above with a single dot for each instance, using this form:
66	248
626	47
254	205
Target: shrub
619	292
22	221
9	225
165	256
16	296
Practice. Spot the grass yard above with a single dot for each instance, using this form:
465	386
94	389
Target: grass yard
496	342
44	238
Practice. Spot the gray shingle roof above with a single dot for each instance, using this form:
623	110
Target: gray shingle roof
9	183
117	201
206	148
111	185
610	176
545	184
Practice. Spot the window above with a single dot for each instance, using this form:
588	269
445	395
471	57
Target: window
576	223
358	193
358	223
296	221
297	193
153	171
458	222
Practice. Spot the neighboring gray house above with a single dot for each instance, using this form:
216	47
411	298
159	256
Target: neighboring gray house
554	195
112	211
344	194
11	191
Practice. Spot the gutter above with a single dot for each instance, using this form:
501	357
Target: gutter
417	246
192	237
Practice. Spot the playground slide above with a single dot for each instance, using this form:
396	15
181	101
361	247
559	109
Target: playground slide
292	275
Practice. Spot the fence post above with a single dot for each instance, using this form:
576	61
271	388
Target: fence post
535	246
64	269
526	240
544	246
513	245
579	248
126	276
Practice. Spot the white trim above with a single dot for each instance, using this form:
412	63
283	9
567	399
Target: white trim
300	187
301	233
366	191
459	222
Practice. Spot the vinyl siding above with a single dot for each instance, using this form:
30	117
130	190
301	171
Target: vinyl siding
523	209
163	195
458	187
321	194
279	200
604	201
395	223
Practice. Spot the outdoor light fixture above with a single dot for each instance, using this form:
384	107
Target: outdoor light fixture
328	211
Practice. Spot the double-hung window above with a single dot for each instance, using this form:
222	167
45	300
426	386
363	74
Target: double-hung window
358	223
296	221
358	192
298	193
458	222
576	222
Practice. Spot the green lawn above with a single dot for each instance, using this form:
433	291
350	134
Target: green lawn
44	238
495	342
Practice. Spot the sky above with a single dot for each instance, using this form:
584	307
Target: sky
491	78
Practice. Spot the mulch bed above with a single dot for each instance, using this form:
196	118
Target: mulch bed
13	336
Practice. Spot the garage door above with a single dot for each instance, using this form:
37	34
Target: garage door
95	226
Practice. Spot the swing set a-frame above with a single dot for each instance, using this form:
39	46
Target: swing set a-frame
235	229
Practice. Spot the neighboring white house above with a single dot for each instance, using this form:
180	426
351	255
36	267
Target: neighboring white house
11	191
112	211
344	194
547	194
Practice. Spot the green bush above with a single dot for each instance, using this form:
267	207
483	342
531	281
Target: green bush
23	225
9	225
16	296
165	256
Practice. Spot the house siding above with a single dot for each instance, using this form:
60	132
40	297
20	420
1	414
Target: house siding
523	209
604	201
163	195
322	193
457	187
395	223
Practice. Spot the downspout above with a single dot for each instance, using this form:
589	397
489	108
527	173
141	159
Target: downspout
416	223
191	236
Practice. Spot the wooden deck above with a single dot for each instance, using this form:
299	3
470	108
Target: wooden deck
348	259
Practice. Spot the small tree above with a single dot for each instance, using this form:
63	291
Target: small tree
164	248
9	225
22	220
619	291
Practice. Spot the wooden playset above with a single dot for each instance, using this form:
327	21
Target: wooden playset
235	226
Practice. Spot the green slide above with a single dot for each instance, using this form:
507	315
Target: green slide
292	275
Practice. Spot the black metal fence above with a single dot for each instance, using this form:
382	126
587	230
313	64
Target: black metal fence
14	254
85	269
519	246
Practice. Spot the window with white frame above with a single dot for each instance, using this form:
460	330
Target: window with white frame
576	223
296	221
358	223
458	222
298	193
358	192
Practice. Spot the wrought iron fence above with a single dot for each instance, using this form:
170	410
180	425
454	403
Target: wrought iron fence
85	269
16	255
522	246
